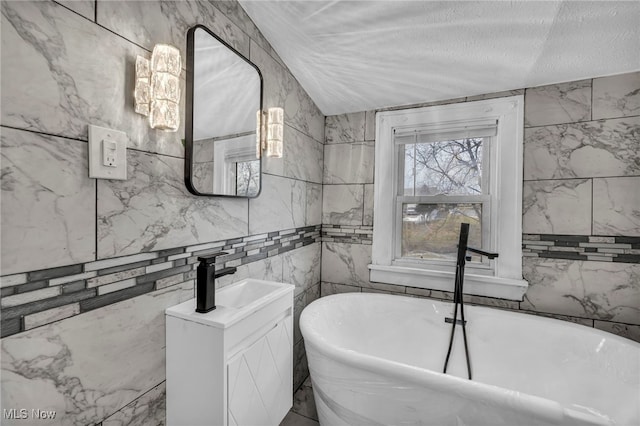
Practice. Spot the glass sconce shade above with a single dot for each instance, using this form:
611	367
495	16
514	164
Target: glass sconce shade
165	86
142	91
157	88
166	58
275	132
270	141
164	115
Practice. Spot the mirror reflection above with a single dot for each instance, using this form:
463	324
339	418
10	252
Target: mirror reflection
224	94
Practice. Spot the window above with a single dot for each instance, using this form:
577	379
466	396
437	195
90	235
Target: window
247	177
440	166
235	167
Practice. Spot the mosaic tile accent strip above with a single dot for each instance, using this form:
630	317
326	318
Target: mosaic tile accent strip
354	234
41	297
582	247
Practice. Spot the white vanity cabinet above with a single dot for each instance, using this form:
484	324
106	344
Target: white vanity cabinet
233	365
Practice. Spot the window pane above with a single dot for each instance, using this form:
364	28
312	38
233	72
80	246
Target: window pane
444	168
431	231
409	169
247	178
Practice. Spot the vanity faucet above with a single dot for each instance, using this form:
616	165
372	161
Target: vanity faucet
206	281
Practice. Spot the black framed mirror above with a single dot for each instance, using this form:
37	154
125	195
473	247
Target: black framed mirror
224	95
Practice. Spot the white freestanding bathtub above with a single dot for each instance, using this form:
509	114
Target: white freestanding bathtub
377	360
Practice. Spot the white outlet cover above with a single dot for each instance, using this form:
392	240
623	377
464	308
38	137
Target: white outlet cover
97	169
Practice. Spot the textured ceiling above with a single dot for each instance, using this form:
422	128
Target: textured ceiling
359	55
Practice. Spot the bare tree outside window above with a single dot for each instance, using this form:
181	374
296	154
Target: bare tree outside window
440	169
247	177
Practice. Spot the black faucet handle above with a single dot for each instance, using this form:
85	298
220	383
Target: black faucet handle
211	258
224	271
482	252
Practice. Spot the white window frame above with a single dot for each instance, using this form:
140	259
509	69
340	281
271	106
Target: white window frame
503	277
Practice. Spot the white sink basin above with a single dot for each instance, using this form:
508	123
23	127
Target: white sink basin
245	292
235	302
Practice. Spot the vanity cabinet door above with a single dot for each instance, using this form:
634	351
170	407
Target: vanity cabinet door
260	379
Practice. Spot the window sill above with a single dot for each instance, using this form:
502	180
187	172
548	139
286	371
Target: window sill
478	285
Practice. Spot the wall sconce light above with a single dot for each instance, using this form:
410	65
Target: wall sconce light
157	90
271	141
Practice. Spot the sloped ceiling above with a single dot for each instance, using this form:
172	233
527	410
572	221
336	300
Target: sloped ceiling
360	55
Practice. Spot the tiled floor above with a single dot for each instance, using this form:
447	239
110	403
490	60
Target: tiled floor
303	412
293	419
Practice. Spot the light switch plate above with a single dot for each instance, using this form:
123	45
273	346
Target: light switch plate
101	143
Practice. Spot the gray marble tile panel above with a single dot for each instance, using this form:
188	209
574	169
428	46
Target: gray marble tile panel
591	149
557	207
348	163
370	126
327	289
301	267
300	365
50	315
71	278
298	305
303	156
280	205
30	296
616	206
10	326
61	72
347	264
75	366
582	321
313	212
616	96
624	330
558	103
269	269
11	280
313	293
294	419
282	90
598	290
367	219
345	128
149	409
303	402
301	112
273	165
48	213
46	304
490	301
400	291
419	292
86	8
234	11
49	273
147	23
119	285
276	83
202	173
152	210
342	204
105	265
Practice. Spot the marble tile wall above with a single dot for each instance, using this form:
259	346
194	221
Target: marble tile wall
581	242
88	266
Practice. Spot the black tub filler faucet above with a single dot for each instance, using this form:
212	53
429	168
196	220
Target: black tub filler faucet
458	291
